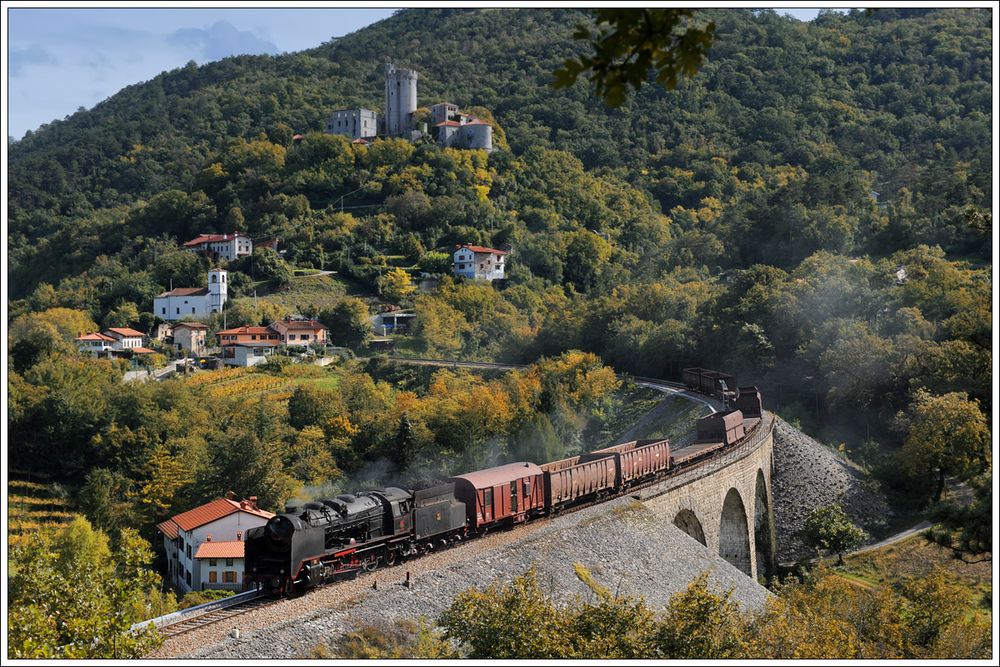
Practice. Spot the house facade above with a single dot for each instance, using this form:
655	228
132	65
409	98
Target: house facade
247	354
228	247
193	301
223	521
113	342
353	123
478	263
190	336
300	332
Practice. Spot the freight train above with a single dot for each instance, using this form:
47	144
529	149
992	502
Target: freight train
332	539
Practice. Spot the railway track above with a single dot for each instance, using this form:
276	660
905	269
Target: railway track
206	614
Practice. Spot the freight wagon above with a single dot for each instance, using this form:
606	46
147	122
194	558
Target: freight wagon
637	460
725	427
713	383
575	478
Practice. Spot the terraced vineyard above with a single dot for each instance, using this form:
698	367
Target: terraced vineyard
34	507
249	384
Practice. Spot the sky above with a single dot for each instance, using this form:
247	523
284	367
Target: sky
59	60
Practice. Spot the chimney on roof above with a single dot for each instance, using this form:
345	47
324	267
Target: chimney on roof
230	495
253	502
239	535
244	504
208	538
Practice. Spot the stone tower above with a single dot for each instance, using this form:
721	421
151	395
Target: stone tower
400	99
217	290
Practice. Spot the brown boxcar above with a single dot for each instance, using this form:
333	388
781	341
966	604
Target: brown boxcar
502	495
726	427
748	402
574	478
694	452
636	460
713	383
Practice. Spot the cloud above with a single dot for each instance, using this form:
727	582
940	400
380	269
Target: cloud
33	55
220	41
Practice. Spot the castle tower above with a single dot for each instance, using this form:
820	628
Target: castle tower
400	99
217	290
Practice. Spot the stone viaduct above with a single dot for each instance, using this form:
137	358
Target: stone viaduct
726	502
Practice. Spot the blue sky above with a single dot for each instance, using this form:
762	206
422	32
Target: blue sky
63	59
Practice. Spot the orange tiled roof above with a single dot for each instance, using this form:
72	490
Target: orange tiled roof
94	336
142	350
190	325
232	549
213	511
247	330
125	331
479	248
212	238
168	528
312	325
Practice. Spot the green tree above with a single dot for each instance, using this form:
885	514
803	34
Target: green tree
349	323
630	42
945	435
830	529
268	265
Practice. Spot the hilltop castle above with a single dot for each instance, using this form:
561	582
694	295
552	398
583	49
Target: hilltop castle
449	127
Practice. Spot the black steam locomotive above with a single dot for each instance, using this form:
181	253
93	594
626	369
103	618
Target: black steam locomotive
334	538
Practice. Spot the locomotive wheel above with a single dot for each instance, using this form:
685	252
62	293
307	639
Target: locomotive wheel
371	564
390	558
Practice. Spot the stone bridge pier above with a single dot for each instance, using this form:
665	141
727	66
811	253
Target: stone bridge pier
726	503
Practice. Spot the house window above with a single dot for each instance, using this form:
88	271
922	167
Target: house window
213	576
192	310
229	576
211	561
187	577
163	311
229	562
177	311
187	550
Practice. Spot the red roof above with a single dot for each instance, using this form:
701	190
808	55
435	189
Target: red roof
359	141
142	350
190	325
247	330
233	549
95	336
479	248
253	343
213	511
296	137
448	123
168	528
482	479
202	239
186	291
312	325
125	331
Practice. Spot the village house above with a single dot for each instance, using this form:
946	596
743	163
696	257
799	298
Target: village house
300	332
204	546
478	263
248	346
193	301
190	336
113	342
227	247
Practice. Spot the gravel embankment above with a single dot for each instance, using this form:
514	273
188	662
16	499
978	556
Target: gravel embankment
625	546
808	474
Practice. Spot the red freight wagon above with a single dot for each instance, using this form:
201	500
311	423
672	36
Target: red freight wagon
574	478
637	460
505	494
726	427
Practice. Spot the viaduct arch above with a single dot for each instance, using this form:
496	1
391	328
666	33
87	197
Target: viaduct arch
726	503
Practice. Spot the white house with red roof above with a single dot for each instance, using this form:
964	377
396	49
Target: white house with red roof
300	332
113	342
478	263
193	302
204	546
221	246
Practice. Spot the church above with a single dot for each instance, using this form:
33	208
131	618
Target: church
193	302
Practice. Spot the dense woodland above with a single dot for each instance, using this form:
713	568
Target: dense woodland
811	211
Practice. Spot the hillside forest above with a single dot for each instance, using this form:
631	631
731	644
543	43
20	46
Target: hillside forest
810	212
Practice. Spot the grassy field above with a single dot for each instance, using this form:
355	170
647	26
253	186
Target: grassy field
34	506
916	557
320	291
